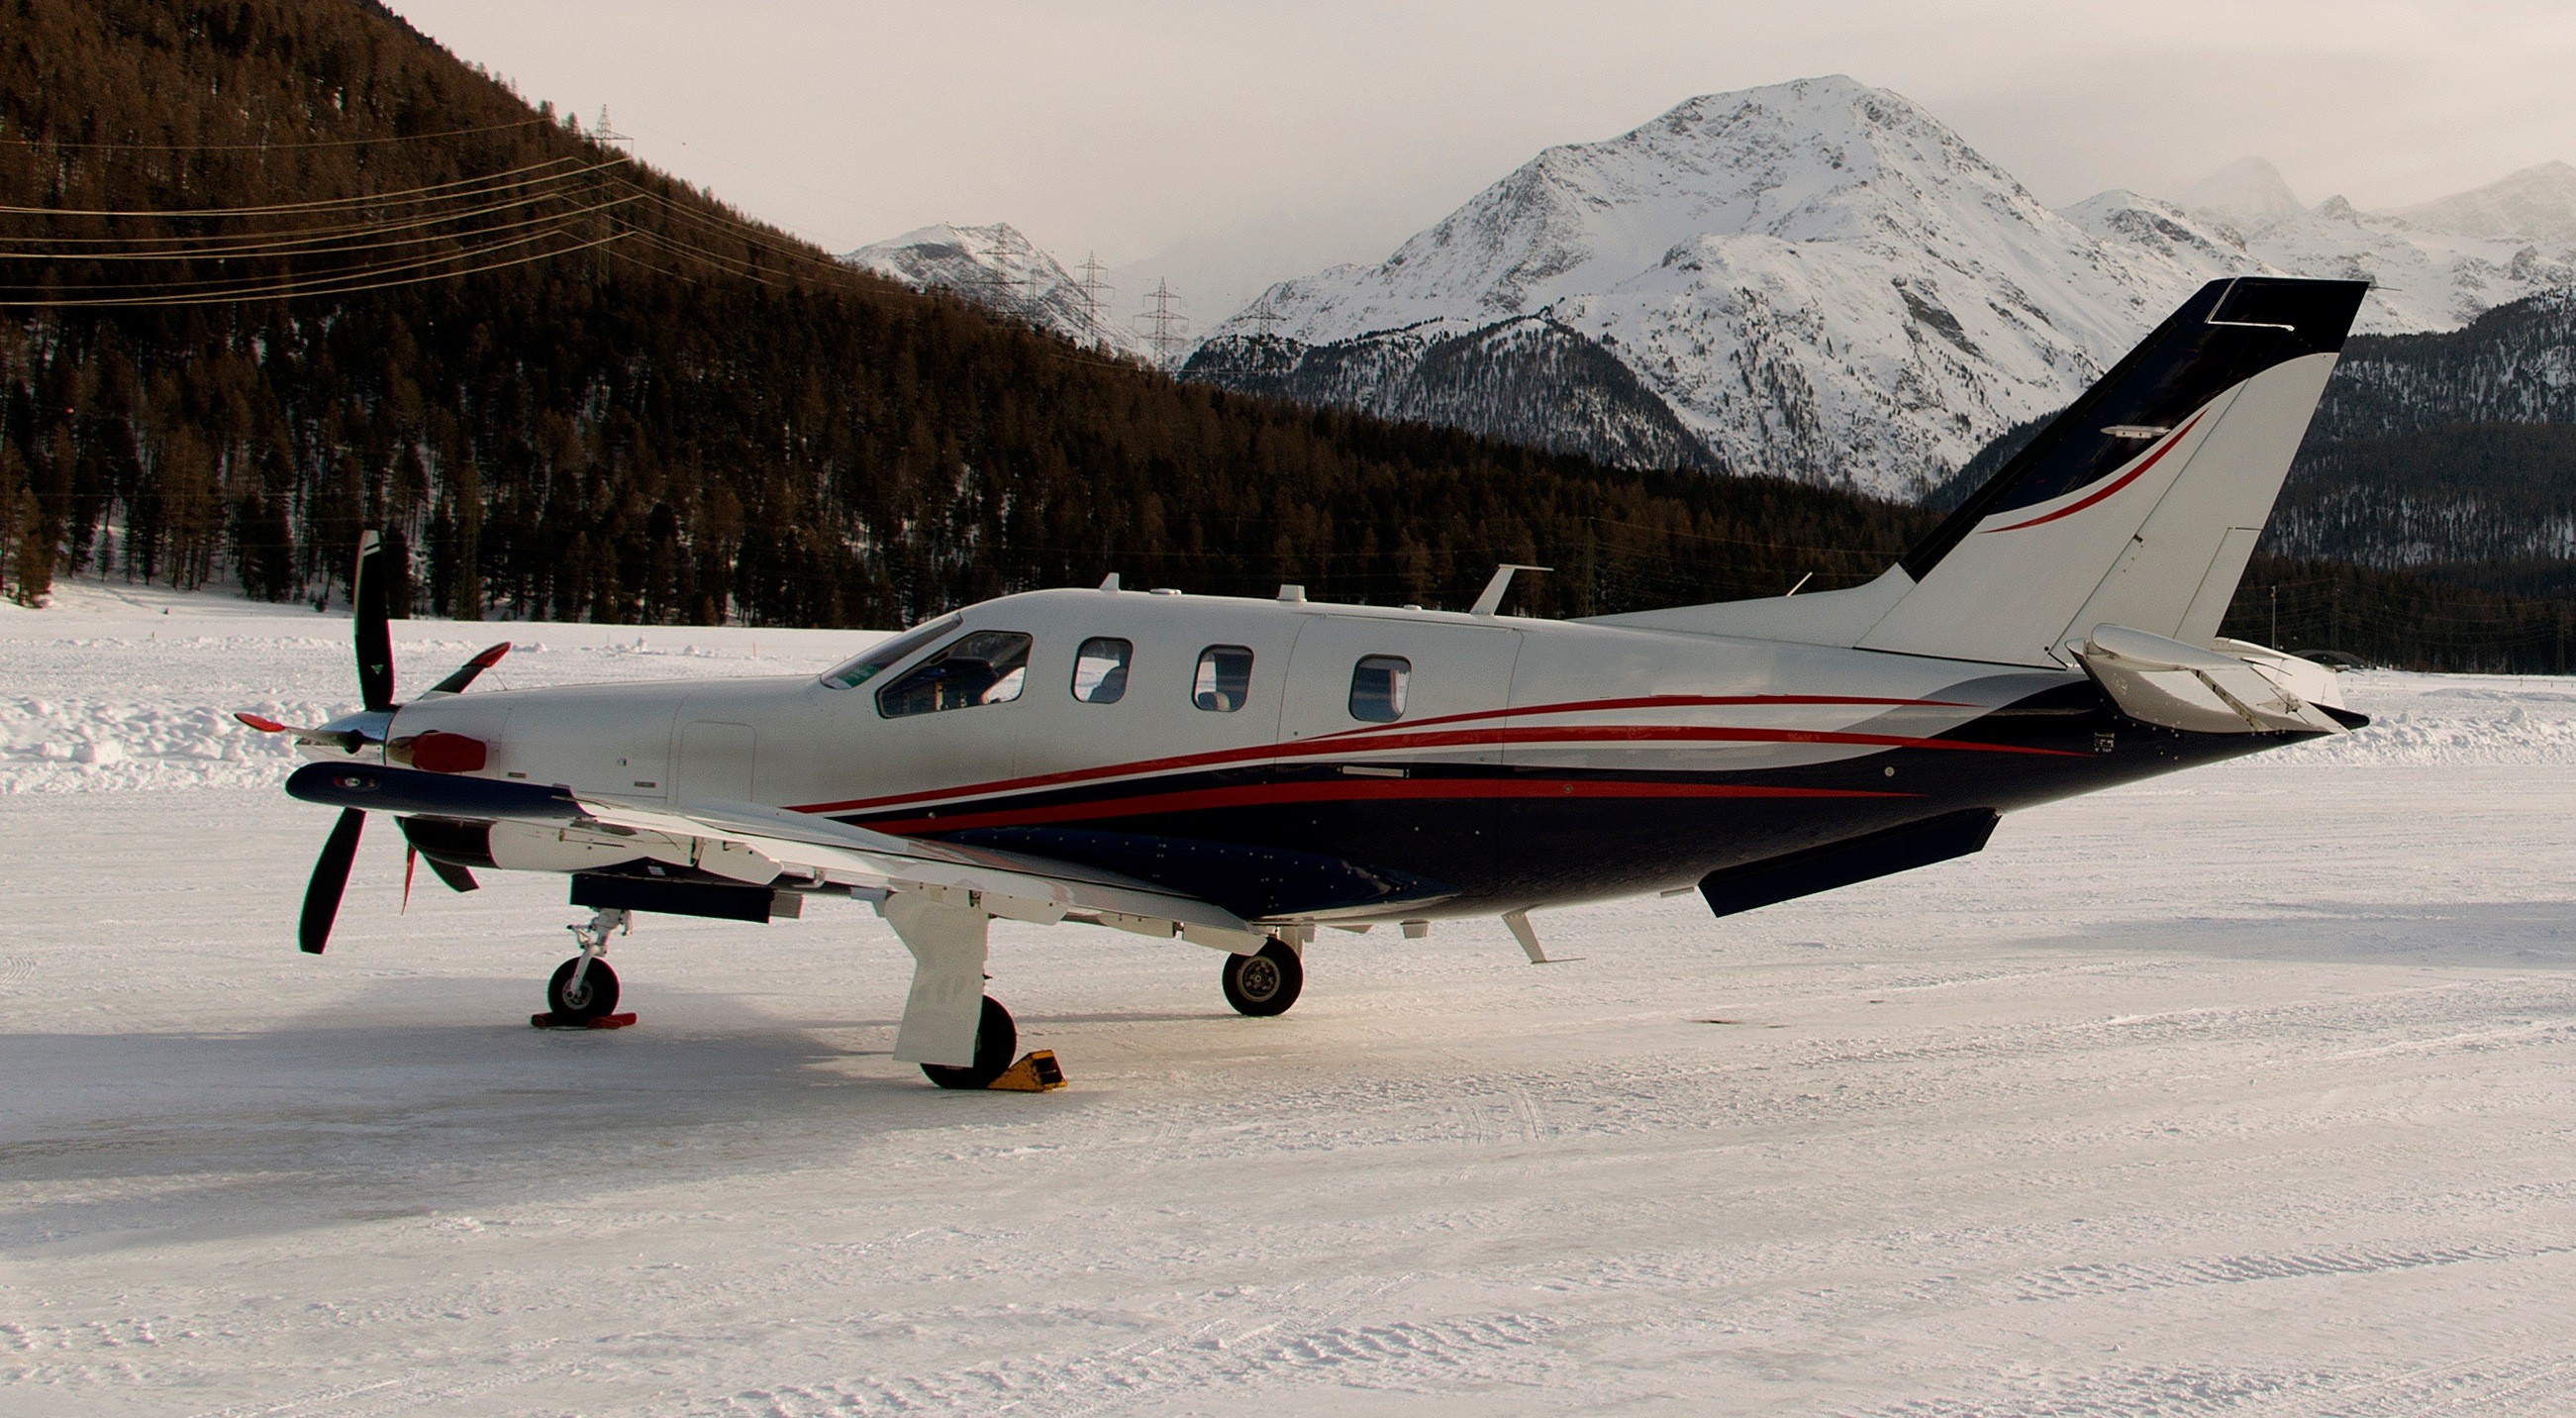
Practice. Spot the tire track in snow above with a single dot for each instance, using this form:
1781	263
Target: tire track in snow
1381	1355
2091	1281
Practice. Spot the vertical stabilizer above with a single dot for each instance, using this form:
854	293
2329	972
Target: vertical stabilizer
2140	504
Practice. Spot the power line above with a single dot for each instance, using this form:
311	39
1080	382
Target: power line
331	240
295	288
268	146
550	226
405	196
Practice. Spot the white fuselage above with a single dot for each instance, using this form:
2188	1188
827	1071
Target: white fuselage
1509	727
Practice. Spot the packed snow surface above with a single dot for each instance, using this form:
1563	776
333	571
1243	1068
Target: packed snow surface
2245	1091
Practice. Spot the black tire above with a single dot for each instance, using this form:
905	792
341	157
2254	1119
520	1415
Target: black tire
997	1043
598	992
1264	984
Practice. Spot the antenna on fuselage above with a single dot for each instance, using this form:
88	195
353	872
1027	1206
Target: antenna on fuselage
1492	599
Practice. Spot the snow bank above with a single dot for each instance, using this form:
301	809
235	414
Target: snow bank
116	688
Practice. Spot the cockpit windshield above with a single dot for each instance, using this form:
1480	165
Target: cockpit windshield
889	653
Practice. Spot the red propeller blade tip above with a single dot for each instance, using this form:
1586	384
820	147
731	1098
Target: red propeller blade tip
265	726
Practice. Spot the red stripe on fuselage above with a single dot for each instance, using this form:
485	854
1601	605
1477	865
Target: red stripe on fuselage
1352	790
2125	479
1409	735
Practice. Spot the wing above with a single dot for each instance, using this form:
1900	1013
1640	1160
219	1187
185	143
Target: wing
752	843
1015	885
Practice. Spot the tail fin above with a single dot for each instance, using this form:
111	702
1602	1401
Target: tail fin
2140	504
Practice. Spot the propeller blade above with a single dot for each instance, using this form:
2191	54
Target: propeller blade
330	878
411	858
466	673
456	877
375	643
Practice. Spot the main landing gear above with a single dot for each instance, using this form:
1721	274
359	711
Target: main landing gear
997	1042
1264	983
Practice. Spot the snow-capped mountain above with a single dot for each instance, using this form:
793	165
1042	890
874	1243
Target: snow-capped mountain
2535	204
1820	280
998	268
2437	266
2248	193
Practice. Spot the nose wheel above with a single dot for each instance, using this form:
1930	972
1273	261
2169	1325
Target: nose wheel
1265	983
577	996
584	988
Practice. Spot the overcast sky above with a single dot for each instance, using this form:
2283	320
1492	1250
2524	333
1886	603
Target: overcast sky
1297	133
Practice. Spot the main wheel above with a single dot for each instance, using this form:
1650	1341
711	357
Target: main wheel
596	996
1265	984
997	1042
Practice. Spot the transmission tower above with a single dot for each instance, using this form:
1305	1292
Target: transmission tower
605	134
1006	289
1263	318
1164	325
1095	299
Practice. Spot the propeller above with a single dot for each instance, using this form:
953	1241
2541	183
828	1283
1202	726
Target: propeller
330	878
353	733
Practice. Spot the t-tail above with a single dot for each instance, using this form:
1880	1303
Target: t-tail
2137	508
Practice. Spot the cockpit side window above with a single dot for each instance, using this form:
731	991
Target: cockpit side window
888	653
1224	679
984	667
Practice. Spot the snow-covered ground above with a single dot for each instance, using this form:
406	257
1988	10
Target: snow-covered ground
2248	1091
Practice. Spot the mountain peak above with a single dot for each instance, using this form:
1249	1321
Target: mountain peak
2249	192
2536	204
998	268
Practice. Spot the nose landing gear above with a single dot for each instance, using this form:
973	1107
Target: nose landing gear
584	988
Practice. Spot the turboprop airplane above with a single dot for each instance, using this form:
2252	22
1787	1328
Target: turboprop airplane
1238	773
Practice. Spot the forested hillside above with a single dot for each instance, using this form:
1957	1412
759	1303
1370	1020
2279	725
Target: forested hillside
279	269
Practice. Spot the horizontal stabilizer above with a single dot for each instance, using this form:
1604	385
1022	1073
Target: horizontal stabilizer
1836	864
2177	686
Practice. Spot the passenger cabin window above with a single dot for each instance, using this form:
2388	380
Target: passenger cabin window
1100	670
890	652
1377	688
1224	679
986	667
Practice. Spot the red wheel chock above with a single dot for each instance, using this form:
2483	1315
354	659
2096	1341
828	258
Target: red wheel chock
605	1021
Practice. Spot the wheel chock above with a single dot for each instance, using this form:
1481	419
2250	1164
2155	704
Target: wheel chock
1036	1072
605	1021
